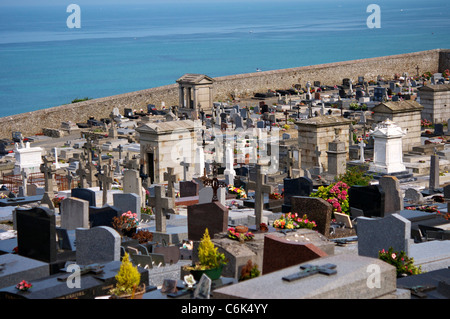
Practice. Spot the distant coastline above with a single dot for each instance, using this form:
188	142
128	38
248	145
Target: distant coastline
31	123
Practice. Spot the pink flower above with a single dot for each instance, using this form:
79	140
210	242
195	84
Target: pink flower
394	256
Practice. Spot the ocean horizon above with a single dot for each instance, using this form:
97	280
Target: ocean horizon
123	48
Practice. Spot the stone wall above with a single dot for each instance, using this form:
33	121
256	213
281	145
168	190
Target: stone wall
243	85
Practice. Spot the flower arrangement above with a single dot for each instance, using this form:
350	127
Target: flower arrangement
404	264
143	236
3	196
249	271
336	194
426	123
233	234
126	222
24	285
424	208
275	196
147	210
446	74
240	192
293	221
189	281
57	201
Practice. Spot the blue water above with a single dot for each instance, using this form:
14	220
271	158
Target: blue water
128	47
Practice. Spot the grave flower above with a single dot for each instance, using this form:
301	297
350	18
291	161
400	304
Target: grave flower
336	194
293	221
240	192
233	234
126	223
404	265
24	285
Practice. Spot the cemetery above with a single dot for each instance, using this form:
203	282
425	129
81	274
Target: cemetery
316	191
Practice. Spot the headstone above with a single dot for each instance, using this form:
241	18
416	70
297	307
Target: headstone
132	183
36	233
375	234
439	129
103	216
188	188
280	253
85	194
302	186
213	216
128	202
434	173
97	245
203	288
74	213
414	196
343	219
393	199
205	195
316	209
370	199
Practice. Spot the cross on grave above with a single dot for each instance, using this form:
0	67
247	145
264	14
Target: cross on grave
48	171
309	270
96	269
185	169
214	183
120	148
290	163
260	189
25	181
69	179
82	172
160	202
171	178
106	178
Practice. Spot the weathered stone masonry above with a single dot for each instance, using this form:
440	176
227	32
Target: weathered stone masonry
241	84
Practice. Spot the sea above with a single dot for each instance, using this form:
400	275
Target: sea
125	46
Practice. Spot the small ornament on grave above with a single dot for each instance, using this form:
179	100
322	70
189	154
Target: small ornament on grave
24	286
263	228
189	281
249	271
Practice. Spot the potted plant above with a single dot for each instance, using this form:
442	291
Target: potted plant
249	271
128	279
241	235
210	260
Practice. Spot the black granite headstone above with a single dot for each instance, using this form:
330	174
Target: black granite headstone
370	199
84	193
302	186
103	216
188	188
36	233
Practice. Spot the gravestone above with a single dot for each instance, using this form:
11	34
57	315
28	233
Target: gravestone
434	173
132	183
85	194
74	213
302	186
393	199
15	268
161	205
438	129
128	202
103	216
36	233
415	197
97	245
370	199
316	209
213	216
203	288
205	195
188	189
350	281
344	219
280	253
375	234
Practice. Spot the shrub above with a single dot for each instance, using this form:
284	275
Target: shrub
403	264
128	278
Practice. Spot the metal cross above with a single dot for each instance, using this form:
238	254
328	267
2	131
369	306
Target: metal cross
214	183
309	270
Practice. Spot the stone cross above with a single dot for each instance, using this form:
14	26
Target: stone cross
317	152
69	179
171	178
260	189
214	183
106	178
82	172
309	270
160	202
362	145
48	170
185	169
